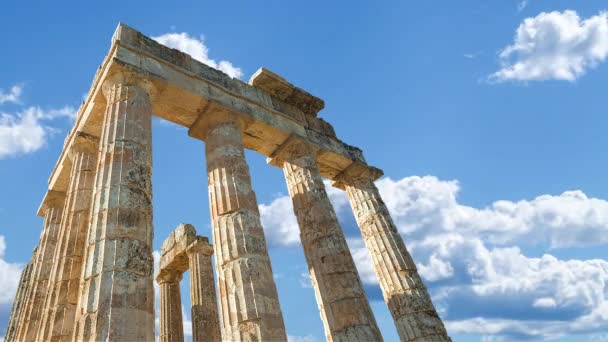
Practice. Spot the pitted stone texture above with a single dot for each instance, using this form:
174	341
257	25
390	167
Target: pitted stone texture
205	319
173	249
342	302
407	298
45	257
18	303
60	305
249	303
170	321
117	296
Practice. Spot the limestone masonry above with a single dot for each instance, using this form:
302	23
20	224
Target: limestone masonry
91	275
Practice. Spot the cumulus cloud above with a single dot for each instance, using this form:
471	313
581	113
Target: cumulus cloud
554	46
26	131
12	95
471	260
9	276
197	49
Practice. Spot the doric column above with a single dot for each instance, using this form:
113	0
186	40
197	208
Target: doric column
52	208
64	281
171	321
249	303
407	297
342	302
205	321
117	296
24	282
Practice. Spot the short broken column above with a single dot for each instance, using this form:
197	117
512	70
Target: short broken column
407	297
205	319
171	320
344	308
249	302
117	294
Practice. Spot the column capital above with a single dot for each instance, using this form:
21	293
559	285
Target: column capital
132	82
200	245
169	275
356	174
210	116
83	142
292	148
52	199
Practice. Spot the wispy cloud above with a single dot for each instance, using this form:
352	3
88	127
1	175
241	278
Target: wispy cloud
554	46
197	49
12	95
522	5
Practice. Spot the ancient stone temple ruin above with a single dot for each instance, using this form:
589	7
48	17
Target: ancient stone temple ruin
91	275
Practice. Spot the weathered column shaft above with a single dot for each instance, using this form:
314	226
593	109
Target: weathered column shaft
36	295
18	303
117	296
407	297
249	303
170	321
205	320
64	281
344	308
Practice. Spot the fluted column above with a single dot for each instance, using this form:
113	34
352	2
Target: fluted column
205	321
52	207
24	282
60	307
171	321
407	297
249	303
344	308
117	295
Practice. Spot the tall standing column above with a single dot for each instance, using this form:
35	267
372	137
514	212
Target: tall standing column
407	297
117	295
171	321
52	207
64	281
205	321
249	303
24	282
342	302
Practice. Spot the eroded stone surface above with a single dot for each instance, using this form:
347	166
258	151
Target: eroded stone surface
249	303
342	302
37	291
18	303
117	297
407	298
170	321
205	319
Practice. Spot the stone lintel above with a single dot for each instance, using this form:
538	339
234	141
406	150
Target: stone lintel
280	88
200	245
356	171
51	198
173	249
186	87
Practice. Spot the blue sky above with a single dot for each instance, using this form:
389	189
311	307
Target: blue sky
488	119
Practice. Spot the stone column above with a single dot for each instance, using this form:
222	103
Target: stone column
407	297
24	283
117	296
64	281
205	321
171	321
52	207
249	303
345	310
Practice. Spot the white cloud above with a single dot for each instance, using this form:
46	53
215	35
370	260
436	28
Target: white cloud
470	258
293	338
554	46
12	95
279	222
197	49
25	131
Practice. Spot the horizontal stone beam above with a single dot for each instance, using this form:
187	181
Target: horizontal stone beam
270	108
